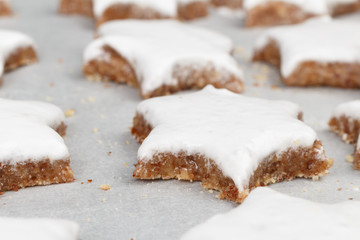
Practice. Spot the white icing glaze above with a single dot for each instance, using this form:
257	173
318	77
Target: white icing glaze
167	7
330	41
237	132
267	214
154	48
27	132
164	29
10	42
318	7
350	109
38	229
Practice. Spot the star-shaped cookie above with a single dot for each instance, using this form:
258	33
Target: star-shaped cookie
230	142
16	49
318	52
32	151
345	121
267	214
162	57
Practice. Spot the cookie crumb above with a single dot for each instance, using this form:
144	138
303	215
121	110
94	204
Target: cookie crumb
211	191
339	189
351	198
105	187
49	99
91	99
60	61
109	153
89	180
127	142
315	178
69	112
82	182
349	158
95	130
275	87
125	164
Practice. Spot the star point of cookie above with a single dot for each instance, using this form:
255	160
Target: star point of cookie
268	214
162	57
33	152
16	49
229	142
38	228
345	121
321	52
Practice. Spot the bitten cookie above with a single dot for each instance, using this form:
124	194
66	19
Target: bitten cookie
5	9
16	49
229	142
32	151
282	12
345	121
318	52
162	57
38	229
267	214
106	10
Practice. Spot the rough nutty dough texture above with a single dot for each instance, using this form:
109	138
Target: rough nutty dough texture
310	73
124	11
30	173
287	165
118	69
234	4
348	129
346	8
275	13
4	9
188	11
82	7
21	57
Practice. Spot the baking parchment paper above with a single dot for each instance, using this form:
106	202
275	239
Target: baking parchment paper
132	208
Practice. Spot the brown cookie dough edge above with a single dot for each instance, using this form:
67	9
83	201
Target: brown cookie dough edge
132	11
311	73
275	13
5	9
36	173
233	4
287	165
118	69
348	129
77	7
345	8
20	57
